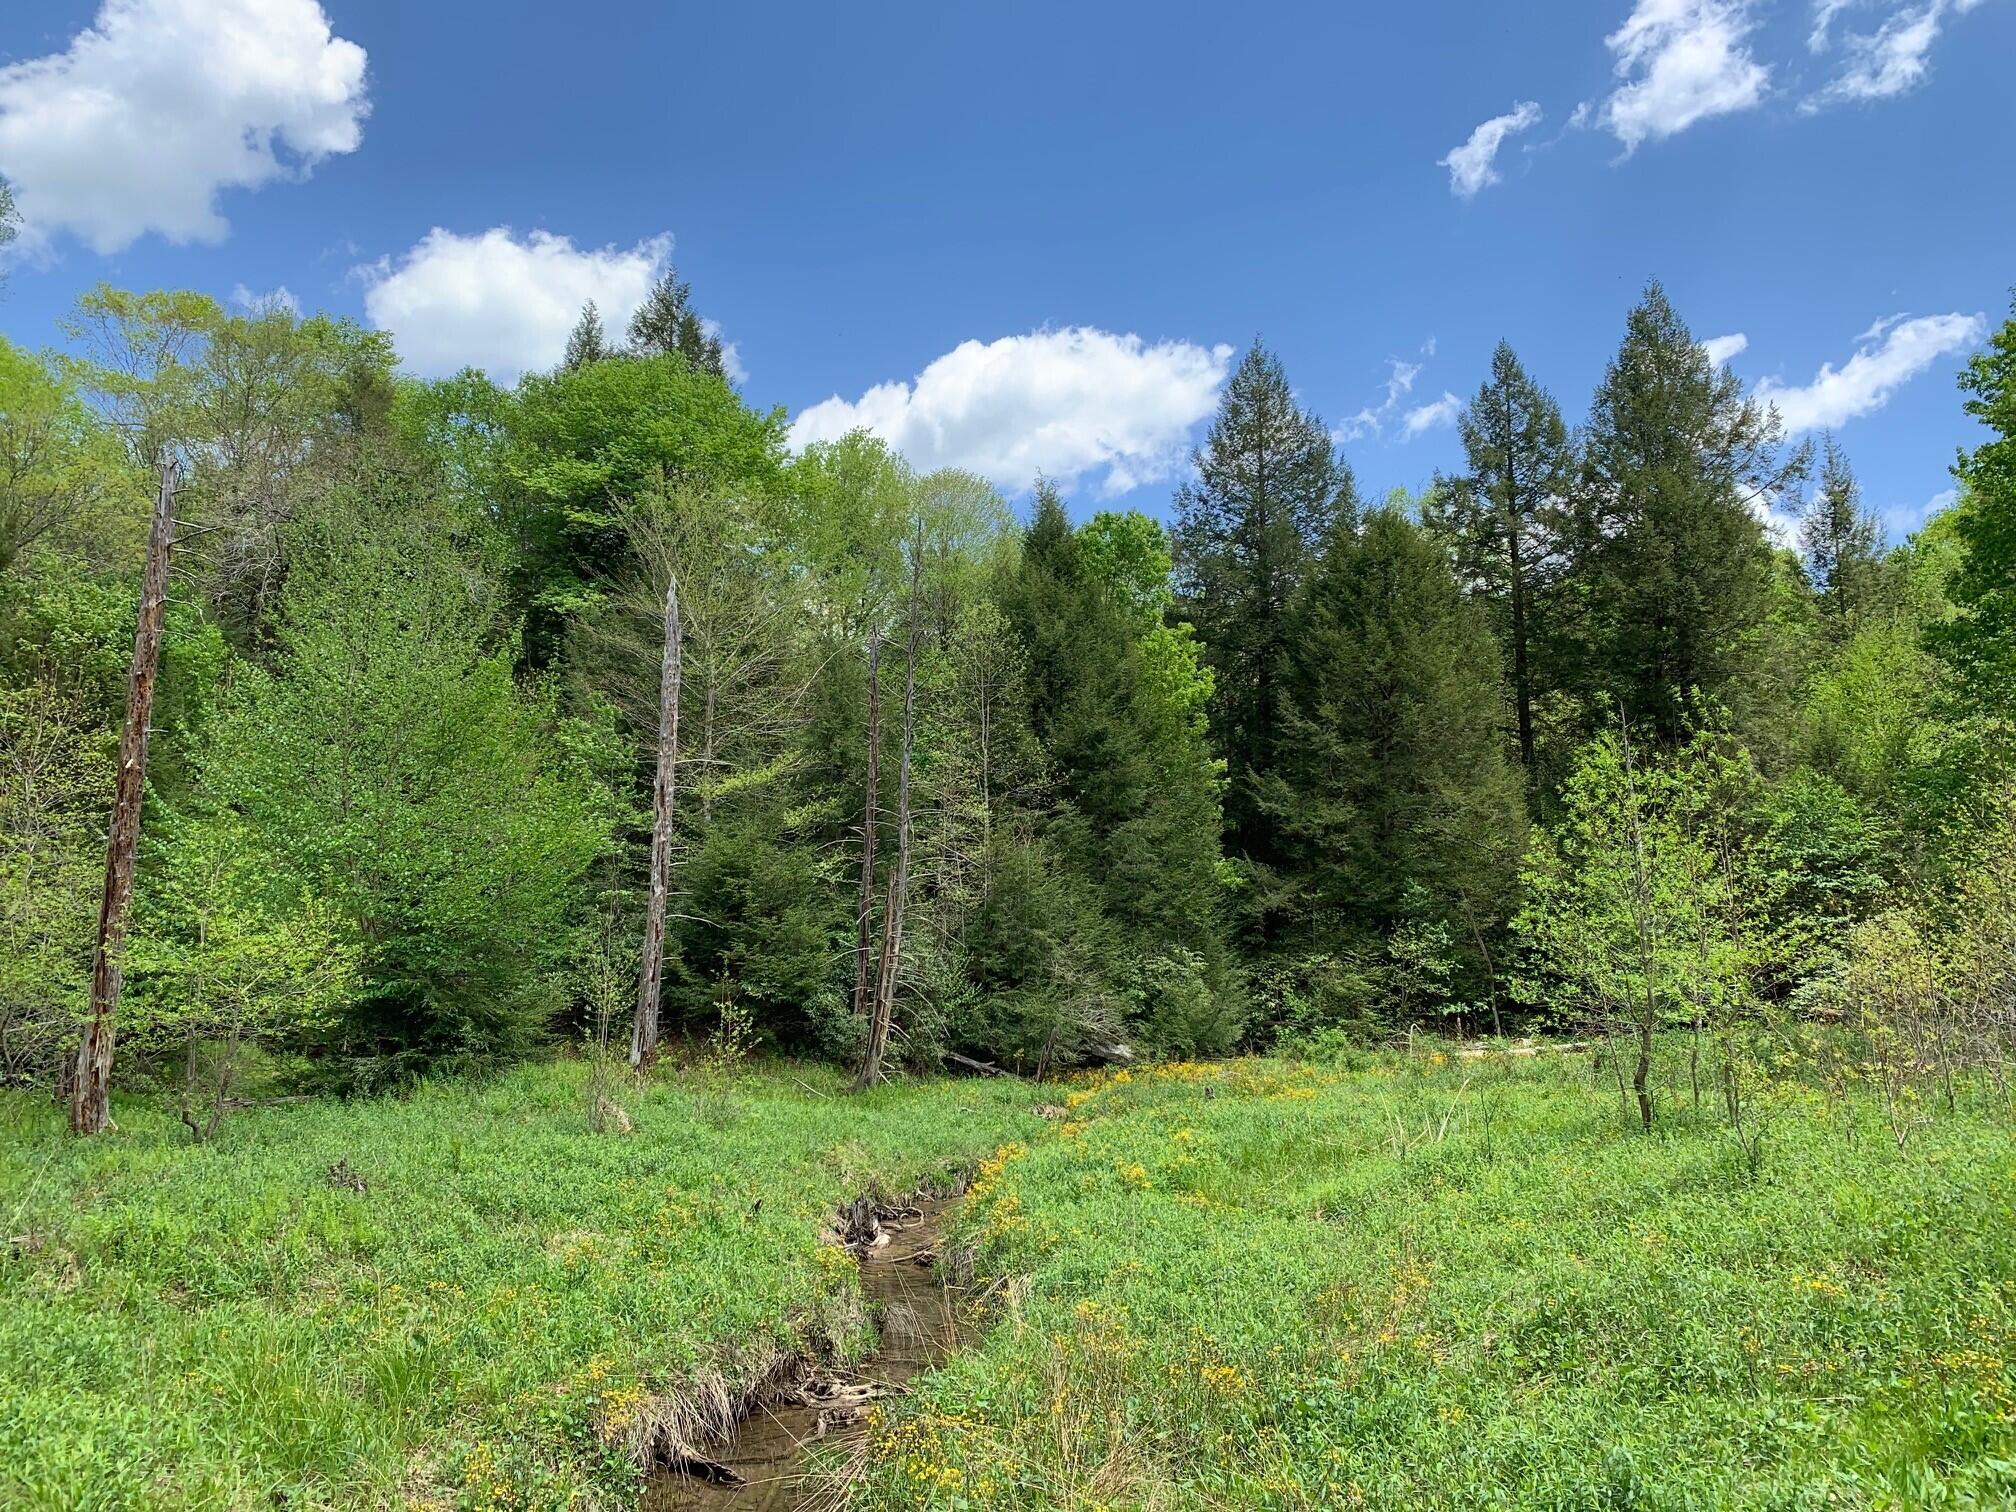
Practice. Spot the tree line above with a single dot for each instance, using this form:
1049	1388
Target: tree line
473	700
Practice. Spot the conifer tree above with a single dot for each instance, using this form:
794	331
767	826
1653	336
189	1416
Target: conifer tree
585	343
1981	644
1842	542
1503	518
1268	488
1397	781
1137	813
666	323
1672	571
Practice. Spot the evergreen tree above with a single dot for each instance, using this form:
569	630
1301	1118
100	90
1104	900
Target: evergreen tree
585	343
666	323
1136	802
1981	644
1397	799
1842	542
1504	517
1671	575
1269	486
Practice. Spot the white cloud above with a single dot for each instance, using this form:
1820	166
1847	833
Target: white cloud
1902	519
1064	403
1472	165
1427	417
503	303
1683	61
1824	12
1878	369
1371	420
161	104
1893	60
278	298
1721	349
731	352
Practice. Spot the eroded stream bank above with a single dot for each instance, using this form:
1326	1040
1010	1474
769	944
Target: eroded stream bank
763	1466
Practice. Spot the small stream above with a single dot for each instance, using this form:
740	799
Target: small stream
765	1461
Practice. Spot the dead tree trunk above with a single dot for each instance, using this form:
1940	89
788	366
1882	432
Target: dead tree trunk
1648	954
664	793
90	1108
899	876
864	916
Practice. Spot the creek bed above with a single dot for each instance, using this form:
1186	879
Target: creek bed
763	1467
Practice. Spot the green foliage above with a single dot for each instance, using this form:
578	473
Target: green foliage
575	443
1634	911
1269	489
389	765
63	477
1505	519
1842	541
1980	643
1672	575
666	323
1396	800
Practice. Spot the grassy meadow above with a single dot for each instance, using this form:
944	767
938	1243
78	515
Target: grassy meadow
1437	1282
1405	1281
488	1324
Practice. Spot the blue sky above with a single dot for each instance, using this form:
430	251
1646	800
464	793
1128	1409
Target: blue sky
1032	236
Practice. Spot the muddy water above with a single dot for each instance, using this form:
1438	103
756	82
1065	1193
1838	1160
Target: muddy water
765	1462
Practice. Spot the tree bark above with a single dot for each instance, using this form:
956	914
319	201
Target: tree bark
864	914
90	1106
899	876
664	796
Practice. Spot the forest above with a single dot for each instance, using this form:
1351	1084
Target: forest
578	752
1585	738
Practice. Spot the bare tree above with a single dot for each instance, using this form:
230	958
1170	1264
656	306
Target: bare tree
865	907
899	876
90	1109
664	795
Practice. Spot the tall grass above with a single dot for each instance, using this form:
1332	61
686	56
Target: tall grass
1432	1282
497	1319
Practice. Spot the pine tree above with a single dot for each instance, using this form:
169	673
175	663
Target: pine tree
1397	783
1980	644
1842	542
1136	813
585	343
1504	517
1672	572
1269	486
666	323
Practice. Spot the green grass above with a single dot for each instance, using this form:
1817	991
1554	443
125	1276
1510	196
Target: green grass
1419	1283
488	1324
1472	1285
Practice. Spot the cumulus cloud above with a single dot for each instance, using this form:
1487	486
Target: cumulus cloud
1067	404
1882	365
502	302
1682	61
1427	417
161	104
1472	166
1721	349
1894	59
